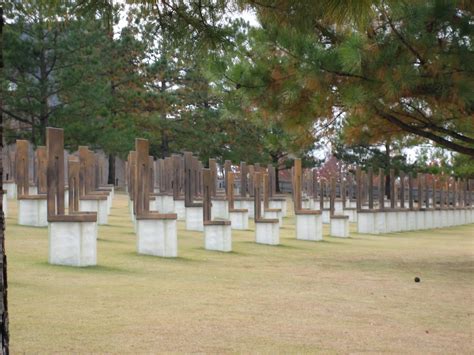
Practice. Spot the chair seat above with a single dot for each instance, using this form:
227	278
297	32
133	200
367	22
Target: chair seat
157	215
307	212
267	220
33	197
74	217
217	223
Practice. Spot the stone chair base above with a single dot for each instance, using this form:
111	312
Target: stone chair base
100	206
220	209
109	188
33	211
10	187
351	213
179	209
218	236
267	231
309	225
5	204
66	197
73	243
194	218
164	203
339	226
245	204
401	220
273	213
306	203
130	209
157	235
109	194
239	219
279	203
326	216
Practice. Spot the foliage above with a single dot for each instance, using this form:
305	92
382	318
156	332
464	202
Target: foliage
194	76
65	70
405	69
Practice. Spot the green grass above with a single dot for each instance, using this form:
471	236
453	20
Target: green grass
339	295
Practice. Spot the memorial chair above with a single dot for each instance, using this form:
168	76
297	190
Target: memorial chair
309	224
90	199
239	217
156	232
217	233
267	231
32	207
72	236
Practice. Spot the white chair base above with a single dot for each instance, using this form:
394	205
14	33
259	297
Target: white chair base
239	220
218	237
380	222
309	227
194	219
365	222
339	227
33	212
352	214
220	209
246	205
274	215
279	203
157	237
101	207
10	187
326	214
5	205
267	232
73	243
179	209
165	204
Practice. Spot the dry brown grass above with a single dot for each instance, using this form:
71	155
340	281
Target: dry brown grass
336	296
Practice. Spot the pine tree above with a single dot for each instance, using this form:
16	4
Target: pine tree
403	67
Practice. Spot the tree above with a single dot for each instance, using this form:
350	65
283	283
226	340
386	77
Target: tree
39	46
4	333
407	67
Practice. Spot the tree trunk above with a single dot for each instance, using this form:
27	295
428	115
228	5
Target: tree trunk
111	179
275	160
44	94
387	169
3	257
165	146
277	178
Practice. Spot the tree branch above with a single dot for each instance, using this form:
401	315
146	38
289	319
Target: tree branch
422	133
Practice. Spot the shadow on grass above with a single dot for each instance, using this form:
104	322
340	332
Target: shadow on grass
113	241
161	259
26	227
287	246
217	252
99	269
281	246
311	242
121	226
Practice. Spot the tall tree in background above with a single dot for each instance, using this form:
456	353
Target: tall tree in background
187	107
4	333
38	47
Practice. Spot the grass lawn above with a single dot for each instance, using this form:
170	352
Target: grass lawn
339	295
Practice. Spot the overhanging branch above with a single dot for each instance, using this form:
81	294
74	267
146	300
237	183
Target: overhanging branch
425	134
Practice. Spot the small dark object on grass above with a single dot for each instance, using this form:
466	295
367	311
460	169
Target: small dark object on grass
417	279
